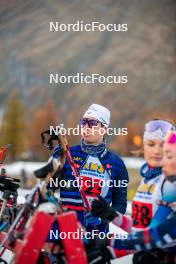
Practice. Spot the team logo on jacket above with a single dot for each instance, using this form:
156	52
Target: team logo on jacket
145	188
78	159
94	167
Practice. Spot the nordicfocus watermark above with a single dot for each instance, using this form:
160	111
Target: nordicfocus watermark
79	130
87	183
81	78
81	234
80	26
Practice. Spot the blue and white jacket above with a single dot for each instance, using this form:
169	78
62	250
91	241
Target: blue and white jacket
111	165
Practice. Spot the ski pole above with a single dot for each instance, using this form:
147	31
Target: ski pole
75	172
63	141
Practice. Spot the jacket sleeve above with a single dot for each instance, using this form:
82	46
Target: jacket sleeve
119	192
163	235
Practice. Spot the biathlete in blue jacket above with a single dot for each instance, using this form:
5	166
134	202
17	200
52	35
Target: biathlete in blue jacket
101	172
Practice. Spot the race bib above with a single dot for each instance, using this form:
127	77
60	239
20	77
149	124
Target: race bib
90	186
142	214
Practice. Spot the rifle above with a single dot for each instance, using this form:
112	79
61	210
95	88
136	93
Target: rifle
62	140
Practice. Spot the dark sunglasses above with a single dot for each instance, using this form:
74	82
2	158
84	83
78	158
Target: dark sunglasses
89	122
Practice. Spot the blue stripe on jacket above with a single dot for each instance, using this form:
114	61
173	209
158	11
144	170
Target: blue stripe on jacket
117	171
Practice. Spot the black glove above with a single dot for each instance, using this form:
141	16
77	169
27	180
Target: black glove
97	256
102	209
98	252
156	256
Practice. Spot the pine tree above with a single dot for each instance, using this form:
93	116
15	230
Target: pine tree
14	126
42	119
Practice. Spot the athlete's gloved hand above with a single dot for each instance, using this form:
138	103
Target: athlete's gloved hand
98	251
100	208
99	256
92	220
57	151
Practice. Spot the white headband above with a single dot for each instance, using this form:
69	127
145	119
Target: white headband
154	135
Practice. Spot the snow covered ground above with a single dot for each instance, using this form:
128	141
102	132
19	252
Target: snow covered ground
15	168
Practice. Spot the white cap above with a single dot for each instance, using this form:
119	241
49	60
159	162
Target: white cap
98	112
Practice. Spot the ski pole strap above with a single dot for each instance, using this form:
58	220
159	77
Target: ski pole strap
76	174
51	198
3	226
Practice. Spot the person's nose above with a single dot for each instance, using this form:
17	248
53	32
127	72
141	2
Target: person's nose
158	150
